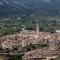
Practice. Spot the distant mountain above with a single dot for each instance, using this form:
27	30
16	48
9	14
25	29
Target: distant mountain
29	7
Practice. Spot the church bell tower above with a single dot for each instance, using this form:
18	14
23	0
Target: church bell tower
37	28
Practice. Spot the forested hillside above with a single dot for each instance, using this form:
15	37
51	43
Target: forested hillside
29	7
10	25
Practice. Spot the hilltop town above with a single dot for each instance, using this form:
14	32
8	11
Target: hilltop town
34	44
29	29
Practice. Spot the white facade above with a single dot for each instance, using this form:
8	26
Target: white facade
37	28
58	31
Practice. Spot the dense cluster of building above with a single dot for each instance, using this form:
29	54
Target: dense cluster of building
23	39
28	38
40	54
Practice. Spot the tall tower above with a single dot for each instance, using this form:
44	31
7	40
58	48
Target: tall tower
37	28
23	28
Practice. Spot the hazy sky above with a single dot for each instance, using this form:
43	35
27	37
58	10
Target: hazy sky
47	0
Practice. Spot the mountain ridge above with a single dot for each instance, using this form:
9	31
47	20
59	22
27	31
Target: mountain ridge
28	7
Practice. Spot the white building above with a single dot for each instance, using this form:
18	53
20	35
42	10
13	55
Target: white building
37	28
58	31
